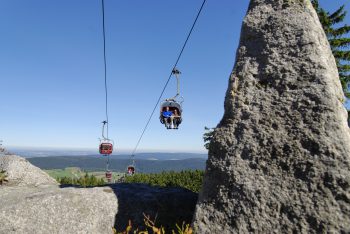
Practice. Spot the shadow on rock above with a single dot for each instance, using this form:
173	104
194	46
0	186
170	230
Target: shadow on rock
165	206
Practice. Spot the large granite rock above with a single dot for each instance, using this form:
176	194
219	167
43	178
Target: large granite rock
279	161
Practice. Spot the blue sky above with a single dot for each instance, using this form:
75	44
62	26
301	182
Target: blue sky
51	70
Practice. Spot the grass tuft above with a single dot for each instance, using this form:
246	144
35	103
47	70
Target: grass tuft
151	228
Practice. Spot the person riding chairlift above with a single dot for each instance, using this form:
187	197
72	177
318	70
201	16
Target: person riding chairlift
175	119
167	116
131	171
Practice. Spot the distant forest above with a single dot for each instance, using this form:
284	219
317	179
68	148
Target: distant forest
118	165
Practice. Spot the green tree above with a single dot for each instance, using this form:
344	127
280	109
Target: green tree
207	136
338	40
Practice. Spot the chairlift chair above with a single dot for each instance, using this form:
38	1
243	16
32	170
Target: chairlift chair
109	176
131	170
106	147
172	105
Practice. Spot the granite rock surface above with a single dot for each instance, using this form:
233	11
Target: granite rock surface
279	161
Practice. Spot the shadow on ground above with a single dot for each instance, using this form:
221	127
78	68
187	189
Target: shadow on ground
167	206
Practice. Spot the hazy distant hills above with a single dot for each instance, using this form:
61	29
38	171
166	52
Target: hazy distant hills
30	153
119	164
91	161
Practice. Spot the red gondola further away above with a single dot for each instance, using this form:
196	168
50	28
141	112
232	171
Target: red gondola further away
106	145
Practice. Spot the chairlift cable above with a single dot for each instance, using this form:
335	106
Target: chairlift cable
167	82
105	64
106	147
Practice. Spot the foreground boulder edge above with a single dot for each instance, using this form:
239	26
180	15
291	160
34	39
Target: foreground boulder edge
279	159
32	202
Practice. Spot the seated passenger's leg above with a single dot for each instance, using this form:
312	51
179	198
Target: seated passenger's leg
171	122
166	122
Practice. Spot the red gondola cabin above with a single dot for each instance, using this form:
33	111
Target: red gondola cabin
109	176
131	170
106	148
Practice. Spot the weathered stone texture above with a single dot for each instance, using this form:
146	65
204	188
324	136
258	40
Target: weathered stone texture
32	202
54	210
22	173
280	158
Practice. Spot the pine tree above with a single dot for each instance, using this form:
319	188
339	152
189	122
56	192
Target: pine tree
338	41
207	136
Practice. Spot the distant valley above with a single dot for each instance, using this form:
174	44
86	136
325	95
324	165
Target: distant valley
98	163
33	152
90	160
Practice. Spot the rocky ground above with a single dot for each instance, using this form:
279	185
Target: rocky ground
33	202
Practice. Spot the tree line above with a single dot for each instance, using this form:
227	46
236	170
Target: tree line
190	179
83	181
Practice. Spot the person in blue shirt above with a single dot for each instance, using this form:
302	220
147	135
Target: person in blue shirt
167	117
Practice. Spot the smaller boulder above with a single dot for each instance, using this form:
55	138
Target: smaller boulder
57	210
32	202
20	172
